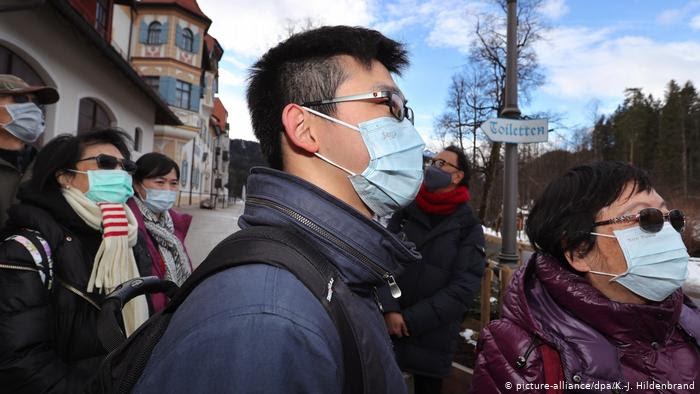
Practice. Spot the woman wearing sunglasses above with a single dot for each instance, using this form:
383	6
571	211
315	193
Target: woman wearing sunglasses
436	293
156	183
599	306
70	240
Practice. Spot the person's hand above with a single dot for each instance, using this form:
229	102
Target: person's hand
395	324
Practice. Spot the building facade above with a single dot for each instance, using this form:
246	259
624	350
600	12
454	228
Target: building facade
146	66
170	48
65	44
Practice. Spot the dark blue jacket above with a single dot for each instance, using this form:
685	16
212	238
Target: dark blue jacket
256	328
436	292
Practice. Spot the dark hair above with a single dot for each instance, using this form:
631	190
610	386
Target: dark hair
462	163
153	165
564	215
63	152
305	68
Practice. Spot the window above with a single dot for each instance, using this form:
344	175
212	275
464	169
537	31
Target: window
187	40
92	116
183	91
101	18
10	63
153	82
138	136
154	30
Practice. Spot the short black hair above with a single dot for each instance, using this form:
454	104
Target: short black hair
63	152
563	217
153	165
305	68
462	163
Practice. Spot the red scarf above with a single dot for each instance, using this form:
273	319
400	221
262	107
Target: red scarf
441	203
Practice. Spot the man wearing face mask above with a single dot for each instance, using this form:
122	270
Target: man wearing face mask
436	293
21	124
156	186
339	137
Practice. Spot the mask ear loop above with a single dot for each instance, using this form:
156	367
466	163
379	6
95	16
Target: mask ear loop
329	161
600	272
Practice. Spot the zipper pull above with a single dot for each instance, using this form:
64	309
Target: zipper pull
376	299
393	287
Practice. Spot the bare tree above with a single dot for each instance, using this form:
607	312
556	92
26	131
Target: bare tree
294	26
467	107
488	53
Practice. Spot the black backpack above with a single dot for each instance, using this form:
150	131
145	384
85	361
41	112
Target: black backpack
127	358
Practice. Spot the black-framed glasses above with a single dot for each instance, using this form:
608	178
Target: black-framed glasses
396	102
651	220
439	163
109	162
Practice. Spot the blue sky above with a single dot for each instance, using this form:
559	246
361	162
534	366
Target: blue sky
593	50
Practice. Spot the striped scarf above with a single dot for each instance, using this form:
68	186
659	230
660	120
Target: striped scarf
114	262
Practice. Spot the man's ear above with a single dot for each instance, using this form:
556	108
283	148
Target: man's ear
298	128
457	177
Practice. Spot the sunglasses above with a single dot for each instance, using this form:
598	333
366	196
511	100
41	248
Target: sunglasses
396	102
651	220
108	162
23	98
439	163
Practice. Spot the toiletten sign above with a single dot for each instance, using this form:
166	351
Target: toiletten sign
518	131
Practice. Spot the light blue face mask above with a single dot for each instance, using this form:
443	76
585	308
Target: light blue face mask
108	185
27	122
395	170
159	200
657	263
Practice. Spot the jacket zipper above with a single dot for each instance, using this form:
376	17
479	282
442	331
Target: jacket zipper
387	276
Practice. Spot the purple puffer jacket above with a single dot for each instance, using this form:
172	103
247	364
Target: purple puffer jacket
599	341
181	223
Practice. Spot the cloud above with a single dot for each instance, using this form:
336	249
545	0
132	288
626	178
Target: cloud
584	63
695	22
248	28
675	15
554	9
226	77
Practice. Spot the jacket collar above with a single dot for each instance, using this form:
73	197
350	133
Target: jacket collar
460	217
280	199
625	324
585	326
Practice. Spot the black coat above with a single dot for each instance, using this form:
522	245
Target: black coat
48	339
437	291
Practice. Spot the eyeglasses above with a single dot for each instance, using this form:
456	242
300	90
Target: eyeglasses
439	163
108	162
397	104
651	220
23	98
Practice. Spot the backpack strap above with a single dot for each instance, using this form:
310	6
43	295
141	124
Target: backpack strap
284	249
35	244
553	372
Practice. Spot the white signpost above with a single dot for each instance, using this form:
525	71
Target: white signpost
517	131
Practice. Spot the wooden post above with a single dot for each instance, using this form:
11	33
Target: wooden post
486	295
506	275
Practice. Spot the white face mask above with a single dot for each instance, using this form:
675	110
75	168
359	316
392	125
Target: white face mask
27	122
657	263
395	170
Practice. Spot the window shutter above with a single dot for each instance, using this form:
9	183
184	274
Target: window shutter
194	98
167	89
164	33
143	33
195	43
178	36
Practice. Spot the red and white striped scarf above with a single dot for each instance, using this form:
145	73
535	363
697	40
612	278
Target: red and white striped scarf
114	262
